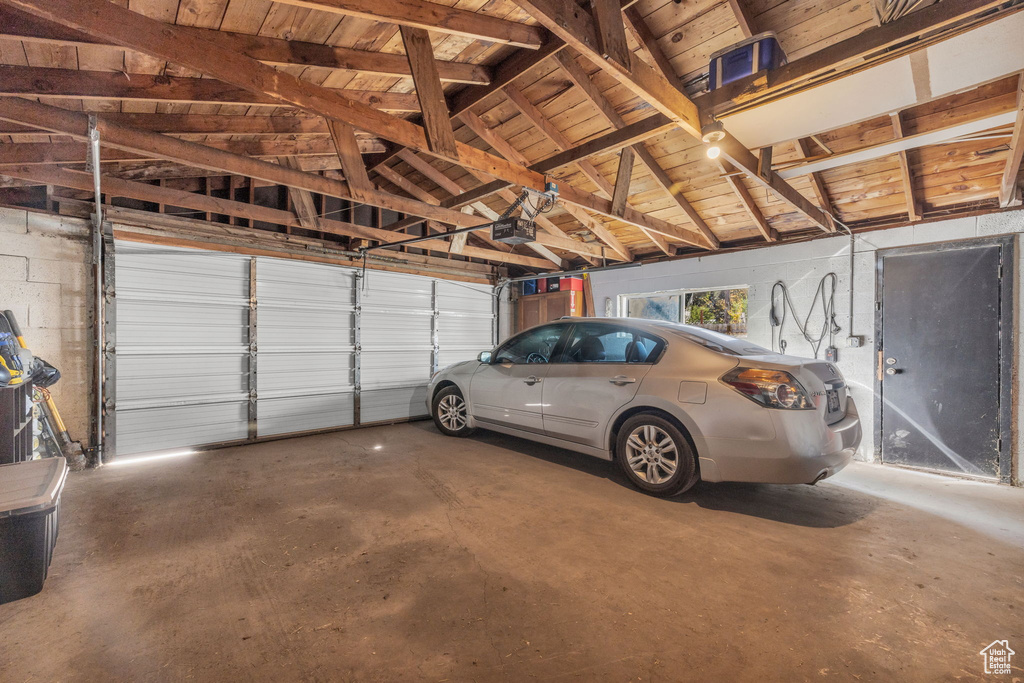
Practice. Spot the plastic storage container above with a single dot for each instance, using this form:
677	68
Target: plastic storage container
754	54
29	521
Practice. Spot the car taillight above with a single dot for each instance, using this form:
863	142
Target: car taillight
770	388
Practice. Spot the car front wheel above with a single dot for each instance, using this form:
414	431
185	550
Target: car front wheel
450	412
655	455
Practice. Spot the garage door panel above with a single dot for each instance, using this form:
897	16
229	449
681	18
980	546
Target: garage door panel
173	378
305	362
399	403
189	373
302	373
172	327
305	413
293	328
163	428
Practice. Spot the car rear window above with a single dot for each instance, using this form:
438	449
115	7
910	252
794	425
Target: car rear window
716	341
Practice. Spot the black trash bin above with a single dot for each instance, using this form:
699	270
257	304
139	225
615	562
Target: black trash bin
29	518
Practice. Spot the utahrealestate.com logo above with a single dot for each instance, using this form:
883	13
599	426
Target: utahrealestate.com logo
997	657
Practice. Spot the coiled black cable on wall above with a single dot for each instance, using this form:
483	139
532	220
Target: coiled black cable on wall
781	305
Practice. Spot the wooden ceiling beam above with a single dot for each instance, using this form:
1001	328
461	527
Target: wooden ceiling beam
537	118
115	85
567	21
611	32
302	200
436	121
614	140
510	68
803	146
76	125
116	187
743	17
206	124
105	20
582	80
433	17
913	209
515	65
590	252
985	121
21	153
731	176
345	144
22	26
480	208
623	178
1009	193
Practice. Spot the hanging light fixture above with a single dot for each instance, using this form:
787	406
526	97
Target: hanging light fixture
711	135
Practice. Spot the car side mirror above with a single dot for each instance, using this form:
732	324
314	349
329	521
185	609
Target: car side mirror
484	357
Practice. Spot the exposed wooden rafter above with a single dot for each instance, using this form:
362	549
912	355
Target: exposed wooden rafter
913	209
105	20
22	26
436	123
803	146
582	80
577	29
302	200
432	16
345	143
75	152
622	180
453	188
611	32
150	193
735	183
115	85
1009	194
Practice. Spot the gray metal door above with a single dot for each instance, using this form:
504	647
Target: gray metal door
944	350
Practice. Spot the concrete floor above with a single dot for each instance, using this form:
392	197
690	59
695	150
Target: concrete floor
394	553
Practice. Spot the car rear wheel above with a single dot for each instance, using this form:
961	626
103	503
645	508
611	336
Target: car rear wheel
655	456
450	412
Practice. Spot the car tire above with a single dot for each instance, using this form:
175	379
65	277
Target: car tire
644	448
450	412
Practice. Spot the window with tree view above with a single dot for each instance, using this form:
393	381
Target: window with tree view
722	310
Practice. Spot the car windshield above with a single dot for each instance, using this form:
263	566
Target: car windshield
716	341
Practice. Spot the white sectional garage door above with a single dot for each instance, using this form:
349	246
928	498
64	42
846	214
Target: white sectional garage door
326	349
181	346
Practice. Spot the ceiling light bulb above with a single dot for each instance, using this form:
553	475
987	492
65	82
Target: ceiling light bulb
714	151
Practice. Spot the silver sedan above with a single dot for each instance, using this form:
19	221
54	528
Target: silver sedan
671	403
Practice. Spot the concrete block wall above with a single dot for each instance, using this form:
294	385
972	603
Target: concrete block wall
801	266
46	280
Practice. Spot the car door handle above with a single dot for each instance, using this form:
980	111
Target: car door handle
532	379
622	379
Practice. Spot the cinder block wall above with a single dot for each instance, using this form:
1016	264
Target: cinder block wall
46	280
801	267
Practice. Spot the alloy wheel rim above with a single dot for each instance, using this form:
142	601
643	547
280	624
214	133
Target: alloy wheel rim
652	454
451	411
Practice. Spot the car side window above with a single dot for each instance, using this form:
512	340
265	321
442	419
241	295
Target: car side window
532	346
604	343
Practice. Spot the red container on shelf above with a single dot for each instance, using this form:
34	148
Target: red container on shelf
542	285
571	284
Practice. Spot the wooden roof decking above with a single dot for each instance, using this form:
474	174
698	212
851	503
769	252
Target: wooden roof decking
952	174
